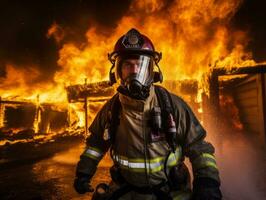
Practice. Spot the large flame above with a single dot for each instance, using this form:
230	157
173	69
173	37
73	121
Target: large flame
193	37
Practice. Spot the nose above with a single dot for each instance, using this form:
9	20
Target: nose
134	68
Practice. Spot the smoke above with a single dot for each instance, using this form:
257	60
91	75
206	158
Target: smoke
241	162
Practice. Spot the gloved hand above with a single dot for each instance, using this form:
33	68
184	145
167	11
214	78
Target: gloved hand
82	184
206	189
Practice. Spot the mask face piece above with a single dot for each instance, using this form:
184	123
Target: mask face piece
135	73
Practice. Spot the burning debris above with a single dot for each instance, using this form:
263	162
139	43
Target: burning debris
95	91
52	120
18	115
24	119
196	44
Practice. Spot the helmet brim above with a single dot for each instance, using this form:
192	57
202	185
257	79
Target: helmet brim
156	55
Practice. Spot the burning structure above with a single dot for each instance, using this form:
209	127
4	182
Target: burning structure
27	120
247	94
207	60
238	96
201	48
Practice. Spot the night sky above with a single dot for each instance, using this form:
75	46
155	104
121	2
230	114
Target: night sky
24	26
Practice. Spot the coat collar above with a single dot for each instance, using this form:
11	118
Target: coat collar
137	105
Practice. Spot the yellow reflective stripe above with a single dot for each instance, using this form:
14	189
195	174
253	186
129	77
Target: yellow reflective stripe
141	160
95	149
171	164
207	155
142	170
93	153
155	160
211	164
209	158
172	160
152	165
178	198
205	160
91	156
174	157
182	197
157	169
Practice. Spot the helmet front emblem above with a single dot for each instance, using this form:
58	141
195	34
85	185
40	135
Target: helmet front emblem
132	39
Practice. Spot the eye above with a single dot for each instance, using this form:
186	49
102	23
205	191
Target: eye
126	64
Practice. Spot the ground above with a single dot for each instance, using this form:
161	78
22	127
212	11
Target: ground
241	164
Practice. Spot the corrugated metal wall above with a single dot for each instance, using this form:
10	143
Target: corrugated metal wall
249	96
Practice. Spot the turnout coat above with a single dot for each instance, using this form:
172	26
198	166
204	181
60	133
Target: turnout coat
141	161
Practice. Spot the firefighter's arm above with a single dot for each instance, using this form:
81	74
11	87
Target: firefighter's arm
96	147
200	153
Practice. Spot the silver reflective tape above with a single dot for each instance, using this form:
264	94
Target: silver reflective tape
140	165
136	165
93	153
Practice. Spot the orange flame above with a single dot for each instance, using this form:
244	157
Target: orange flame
230	112
56	31
193	36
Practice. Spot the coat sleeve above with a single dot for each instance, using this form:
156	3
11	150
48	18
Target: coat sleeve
96	145
192	135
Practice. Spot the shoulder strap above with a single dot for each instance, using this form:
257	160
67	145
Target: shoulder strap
167	108
113	117
164	99
168	115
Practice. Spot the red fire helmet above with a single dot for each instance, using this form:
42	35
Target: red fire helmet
134	43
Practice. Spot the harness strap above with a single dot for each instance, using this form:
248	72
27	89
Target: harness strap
164	98
166	104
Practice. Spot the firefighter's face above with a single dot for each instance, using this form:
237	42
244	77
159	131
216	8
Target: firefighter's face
130	66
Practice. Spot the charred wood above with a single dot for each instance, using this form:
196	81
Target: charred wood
77	93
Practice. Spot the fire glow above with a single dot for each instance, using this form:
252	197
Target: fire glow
194	37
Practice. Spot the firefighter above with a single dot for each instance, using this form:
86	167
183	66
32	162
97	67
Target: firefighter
148	132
